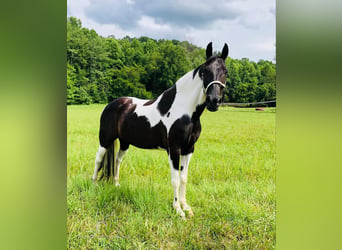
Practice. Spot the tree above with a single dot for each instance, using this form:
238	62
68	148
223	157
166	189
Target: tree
71	88
233	79
101	69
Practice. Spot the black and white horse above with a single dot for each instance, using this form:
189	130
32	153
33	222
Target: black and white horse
170	122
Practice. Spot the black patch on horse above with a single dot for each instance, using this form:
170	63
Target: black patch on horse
166	100
195	72
149	102
179	138
109	125
210	60
199	69
198	112
151	138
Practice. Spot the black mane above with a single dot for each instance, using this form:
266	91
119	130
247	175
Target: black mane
195	71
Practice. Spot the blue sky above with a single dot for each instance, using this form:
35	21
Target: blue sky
247	26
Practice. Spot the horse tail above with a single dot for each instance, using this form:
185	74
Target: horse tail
108	162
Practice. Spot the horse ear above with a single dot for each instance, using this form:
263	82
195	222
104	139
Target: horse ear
209	50
225	51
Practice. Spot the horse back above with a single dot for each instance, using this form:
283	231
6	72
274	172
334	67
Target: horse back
120	119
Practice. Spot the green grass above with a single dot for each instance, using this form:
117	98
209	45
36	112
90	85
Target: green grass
231	188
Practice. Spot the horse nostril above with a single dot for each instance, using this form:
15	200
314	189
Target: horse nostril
215	101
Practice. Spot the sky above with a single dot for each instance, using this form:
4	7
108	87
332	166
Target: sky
247	26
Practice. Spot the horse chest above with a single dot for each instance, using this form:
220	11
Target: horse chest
184	132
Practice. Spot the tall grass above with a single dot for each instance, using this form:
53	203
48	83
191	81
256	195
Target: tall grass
231	188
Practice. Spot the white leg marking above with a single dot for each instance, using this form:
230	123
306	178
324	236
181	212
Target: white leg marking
99	156
175	180
185	159
118	160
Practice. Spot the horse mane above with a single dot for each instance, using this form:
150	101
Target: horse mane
195	71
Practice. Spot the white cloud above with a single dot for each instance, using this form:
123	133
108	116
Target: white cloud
265	46
149	24
248	26
76	8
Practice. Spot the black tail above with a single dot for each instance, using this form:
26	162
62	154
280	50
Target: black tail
108	163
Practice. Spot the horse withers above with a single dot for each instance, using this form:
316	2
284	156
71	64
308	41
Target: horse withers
170	122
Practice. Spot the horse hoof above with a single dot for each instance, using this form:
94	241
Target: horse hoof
182	215
180	212
190	213
117	185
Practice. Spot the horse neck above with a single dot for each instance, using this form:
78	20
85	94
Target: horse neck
189	93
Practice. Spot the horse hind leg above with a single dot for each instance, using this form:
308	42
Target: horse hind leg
118	160
98	160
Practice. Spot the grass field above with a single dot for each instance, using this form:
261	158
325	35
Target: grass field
231	188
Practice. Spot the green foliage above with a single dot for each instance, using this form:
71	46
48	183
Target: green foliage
71	88
101	69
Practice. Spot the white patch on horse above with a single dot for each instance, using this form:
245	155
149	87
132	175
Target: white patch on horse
175	181
149	111
99	156
184	161
189	95
118	160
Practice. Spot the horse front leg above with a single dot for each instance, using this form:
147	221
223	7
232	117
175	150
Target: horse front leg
185	159
175	180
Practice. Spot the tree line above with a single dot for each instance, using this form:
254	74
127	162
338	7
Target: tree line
101	69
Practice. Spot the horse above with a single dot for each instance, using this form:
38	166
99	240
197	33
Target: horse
171	122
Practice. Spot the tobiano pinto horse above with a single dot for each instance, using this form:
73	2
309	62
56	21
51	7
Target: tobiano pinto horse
171	122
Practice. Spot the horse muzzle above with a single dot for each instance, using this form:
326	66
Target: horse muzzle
213	95
212	103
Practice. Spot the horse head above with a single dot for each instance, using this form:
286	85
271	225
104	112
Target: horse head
213	74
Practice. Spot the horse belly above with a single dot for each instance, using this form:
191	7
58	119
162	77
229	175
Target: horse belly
136	130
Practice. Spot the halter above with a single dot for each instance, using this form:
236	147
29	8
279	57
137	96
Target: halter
211	83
